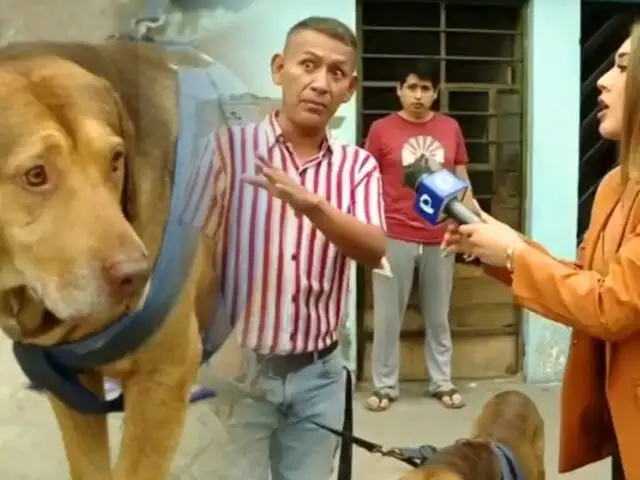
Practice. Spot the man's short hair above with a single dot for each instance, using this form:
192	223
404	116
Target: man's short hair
426	70
328	26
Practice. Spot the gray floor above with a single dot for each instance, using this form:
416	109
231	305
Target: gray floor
30	448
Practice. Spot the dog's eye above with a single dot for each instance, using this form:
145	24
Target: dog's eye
36	176
117	161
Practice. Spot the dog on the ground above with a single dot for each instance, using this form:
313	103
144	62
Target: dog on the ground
87	149
509	418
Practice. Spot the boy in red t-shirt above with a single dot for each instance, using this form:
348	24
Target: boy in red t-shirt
396	141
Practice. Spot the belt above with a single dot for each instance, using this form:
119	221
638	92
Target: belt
283	365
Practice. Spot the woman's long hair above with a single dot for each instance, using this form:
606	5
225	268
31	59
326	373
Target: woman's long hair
629	145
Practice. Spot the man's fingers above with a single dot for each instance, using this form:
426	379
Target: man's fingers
273	174
267	172
262	161
262	166
282	188
256	180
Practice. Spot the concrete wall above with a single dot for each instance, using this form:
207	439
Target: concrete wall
553	142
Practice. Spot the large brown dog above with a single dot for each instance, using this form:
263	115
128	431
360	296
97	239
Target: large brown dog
87	145
509	418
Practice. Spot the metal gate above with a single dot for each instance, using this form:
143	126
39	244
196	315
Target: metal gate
480	49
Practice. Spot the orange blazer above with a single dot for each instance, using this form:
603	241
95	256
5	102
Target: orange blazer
601	302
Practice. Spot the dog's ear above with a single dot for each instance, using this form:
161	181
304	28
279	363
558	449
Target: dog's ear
127	132
129	194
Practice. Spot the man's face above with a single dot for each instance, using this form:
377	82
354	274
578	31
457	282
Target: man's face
416	96
611	99
316	74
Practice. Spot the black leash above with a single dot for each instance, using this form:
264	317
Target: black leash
412	456
345	462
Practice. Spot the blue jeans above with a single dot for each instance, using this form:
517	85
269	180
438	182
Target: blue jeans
273	438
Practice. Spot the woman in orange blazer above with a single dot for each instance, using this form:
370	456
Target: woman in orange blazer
598	296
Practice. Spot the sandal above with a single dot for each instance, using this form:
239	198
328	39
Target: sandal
449	398
379	401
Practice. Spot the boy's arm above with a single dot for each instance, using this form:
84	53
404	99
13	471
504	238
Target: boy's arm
461	161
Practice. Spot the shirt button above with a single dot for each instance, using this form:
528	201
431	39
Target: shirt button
294	257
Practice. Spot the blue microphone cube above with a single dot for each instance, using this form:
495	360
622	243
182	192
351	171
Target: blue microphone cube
434	191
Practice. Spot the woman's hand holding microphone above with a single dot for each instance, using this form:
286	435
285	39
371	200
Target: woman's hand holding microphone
492	242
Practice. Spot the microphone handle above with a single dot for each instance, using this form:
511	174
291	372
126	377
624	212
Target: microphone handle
460	213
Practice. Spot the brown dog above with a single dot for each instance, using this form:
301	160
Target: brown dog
87	146
509	418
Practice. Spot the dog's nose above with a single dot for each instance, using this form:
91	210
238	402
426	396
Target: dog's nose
127	275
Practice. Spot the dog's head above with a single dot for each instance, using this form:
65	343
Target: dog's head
431	473
65	239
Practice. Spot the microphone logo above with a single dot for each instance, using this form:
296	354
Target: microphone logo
444	182
426	204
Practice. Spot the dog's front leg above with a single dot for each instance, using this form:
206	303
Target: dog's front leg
156	403
85	437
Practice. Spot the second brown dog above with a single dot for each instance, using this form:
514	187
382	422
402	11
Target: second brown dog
510	419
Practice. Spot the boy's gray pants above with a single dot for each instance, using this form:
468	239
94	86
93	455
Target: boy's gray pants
390	298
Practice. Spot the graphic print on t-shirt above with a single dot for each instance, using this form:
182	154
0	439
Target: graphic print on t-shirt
425	145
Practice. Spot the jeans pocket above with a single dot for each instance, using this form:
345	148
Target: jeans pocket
332	367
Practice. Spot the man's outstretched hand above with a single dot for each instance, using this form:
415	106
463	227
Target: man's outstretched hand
282	186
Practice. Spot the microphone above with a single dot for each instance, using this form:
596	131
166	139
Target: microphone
438	194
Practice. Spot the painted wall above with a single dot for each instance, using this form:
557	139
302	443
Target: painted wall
243	40
553	143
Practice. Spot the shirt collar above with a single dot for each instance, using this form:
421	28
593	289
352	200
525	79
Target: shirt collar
275	136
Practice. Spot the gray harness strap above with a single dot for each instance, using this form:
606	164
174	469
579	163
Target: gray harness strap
509	466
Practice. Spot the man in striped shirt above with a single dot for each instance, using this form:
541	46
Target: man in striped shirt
301	207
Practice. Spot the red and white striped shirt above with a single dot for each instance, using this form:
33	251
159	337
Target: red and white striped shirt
282	280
